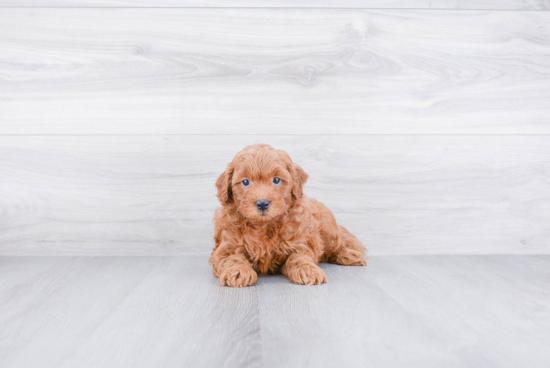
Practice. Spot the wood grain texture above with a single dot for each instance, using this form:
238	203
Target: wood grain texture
435	311
413	311
388	4
126	312
155	195
273	71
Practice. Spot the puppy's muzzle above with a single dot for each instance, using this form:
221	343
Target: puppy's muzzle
262	204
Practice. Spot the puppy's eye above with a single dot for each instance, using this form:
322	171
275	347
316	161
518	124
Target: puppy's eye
276	180
245	182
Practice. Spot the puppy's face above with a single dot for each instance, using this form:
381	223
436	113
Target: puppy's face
261	182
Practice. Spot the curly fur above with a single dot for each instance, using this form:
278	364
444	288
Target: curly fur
291	237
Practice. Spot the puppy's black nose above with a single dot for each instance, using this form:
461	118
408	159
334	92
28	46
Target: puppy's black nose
262	204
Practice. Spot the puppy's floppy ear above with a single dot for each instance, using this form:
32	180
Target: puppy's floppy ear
225	194
299	177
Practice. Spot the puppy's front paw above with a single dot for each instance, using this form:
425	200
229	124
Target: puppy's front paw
238	276
307	274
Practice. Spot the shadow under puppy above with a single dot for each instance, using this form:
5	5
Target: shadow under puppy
265	223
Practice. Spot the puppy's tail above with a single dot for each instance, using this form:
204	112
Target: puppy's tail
351	252
350	241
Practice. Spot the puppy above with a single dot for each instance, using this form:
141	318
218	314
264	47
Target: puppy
265	223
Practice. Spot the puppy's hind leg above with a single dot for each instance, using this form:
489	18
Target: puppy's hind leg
350	251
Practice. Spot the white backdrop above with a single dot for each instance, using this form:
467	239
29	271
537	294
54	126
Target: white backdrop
425	131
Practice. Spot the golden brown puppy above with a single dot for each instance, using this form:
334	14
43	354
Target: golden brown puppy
266	225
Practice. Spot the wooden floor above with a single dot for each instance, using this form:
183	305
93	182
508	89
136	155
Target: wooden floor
400	311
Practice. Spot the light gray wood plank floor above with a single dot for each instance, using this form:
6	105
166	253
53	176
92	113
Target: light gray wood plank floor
273	71
400	311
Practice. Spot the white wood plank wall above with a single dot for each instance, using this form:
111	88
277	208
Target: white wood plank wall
426	131
373	4
274	71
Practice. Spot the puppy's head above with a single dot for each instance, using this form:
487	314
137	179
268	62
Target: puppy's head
261	182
